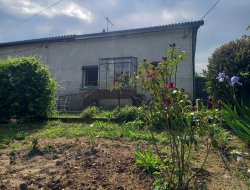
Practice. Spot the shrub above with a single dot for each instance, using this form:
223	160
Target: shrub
173	106
126	114
27	89
90	112
234	59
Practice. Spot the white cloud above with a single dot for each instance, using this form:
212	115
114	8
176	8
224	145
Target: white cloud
28	7
76	11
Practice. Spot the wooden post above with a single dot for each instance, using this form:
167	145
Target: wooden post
198	104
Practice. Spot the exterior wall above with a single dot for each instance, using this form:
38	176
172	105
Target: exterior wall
112	103
66	59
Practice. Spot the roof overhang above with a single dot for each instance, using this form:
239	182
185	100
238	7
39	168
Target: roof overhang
194	25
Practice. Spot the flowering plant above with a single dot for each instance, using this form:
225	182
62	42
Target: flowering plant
222	76
233	80
237	115
173	105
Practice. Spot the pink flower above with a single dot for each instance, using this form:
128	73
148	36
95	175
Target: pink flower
170	85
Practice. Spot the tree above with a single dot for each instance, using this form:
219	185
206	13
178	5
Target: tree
232	58
27	89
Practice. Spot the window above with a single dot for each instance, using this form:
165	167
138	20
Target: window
122	69
89	76
112	68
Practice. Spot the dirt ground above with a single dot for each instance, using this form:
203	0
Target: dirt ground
84	163
73	164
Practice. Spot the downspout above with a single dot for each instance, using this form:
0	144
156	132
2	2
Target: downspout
194	40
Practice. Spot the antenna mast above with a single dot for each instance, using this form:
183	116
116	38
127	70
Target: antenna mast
108	22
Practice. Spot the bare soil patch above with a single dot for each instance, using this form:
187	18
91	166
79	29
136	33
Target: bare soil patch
87	163
73	164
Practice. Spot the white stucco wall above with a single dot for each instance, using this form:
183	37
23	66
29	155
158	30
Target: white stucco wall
66	59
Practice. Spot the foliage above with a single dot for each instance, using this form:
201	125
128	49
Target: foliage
237	117
173	105
13	133
89	112
58	114
221	137
119	84
27	89
126	114
200	90
136	123
234	59
136	115
210	116
147	161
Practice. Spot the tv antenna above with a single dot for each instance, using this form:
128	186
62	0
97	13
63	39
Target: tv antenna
108	22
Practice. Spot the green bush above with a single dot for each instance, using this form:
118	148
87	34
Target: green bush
234	59
127	114
27	89
89	112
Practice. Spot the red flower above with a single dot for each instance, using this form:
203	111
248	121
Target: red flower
169	85
209	103
166	102
149	75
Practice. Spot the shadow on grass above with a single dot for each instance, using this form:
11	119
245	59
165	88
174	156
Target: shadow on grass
17	131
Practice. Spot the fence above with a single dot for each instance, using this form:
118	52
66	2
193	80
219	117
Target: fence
200	91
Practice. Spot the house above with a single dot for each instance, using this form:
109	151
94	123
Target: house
85	66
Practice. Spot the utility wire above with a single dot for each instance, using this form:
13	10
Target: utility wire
29	18
210	9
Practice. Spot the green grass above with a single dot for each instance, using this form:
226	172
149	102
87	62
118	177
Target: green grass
65	115
16	131
11	134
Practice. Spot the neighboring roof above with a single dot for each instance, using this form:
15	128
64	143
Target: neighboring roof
194	24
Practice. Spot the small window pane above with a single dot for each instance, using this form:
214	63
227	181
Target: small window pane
90	77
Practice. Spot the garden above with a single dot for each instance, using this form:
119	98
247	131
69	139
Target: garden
167	143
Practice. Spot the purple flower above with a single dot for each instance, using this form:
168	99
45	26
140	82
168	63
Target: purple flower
222	76
234	80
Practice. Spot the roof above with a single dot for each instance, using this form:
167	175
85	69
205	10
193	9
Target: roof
194	24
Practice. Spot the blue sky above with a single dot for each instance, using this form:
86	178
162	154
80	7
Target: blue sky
226	22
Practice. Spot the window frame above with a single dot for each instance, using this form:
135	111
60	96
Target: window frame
83	81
